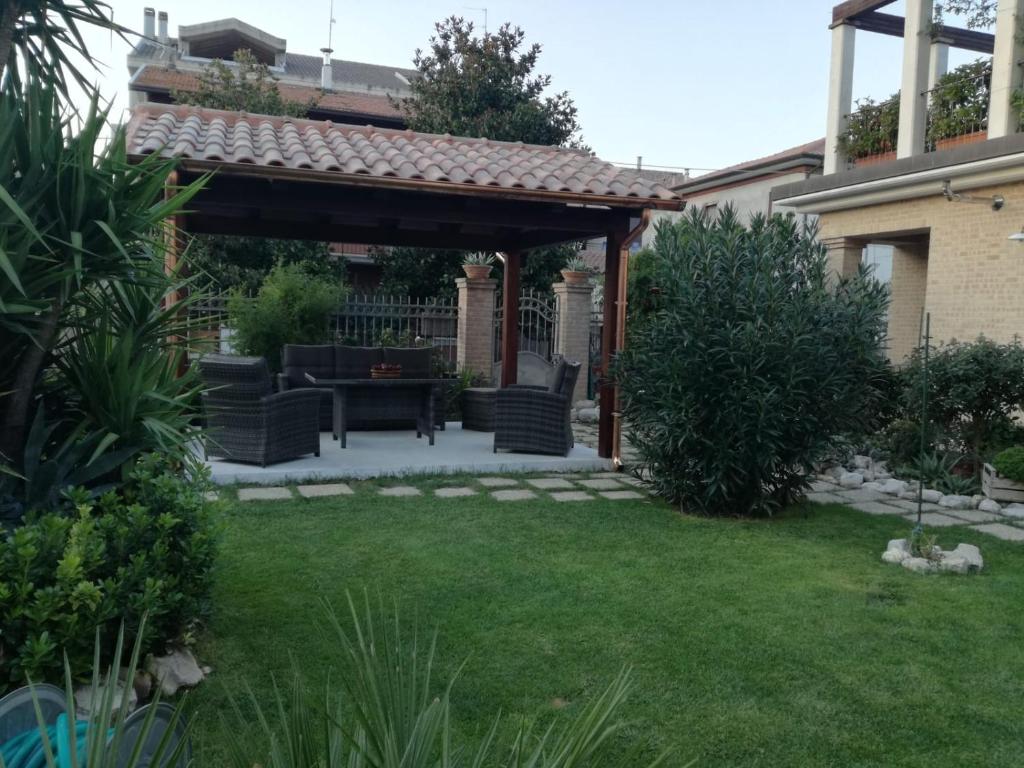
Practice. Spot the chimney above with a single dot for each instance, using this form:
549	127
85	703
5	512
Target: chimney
162	34
149	23
326	73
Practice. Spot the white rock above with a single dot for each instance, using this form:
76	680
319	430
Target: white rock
956	502
894	487
954	564
1014	510
976	499
837	472
86	703
862	462
872	486
587	415
896	551
992	507
869	474
881	474
928	495
918	564
177	669
971	554
851	480
584	404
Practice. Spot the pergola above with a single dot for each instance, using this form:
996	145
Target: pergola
314	180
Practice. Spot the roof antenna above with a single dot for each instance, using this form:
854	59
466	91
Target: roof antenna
473	8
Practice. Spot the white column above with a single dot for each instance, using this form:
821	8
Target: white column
913	101
840	94
1006	75
938	63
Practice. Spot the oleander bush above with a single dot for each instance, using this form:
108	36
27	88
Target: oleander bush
146	548
745	360
1010	463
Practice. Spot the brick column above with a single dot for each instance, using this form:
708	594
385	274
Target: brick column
573	338
475	345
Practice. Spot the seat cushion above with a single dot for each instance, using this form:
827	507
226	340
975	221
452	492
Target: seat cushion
355	362
415	361
557	377
299	359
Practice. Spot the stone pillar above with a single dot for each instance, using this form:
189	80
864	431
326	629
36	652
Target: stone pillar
907	299
573	338
913	99
844	258
475	345
938	64
1006	74
840	94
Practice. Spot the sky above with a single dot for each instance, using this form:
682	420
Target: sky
699	84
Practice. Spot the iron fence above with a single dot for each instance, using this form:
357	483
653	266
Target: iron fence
538	324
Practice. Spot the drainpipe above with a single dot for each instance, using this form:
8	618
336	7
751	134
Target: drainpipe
326	70
620	327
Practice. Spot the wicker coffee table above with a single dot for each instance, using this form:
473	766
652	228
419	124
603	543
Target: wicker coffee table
388	398
478	408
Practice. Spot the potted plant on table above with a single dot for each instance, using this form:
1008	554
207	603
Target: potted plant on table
477	266
576	271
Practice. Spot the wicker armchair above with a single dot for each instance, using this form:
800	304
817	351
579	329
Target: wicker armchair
533	419
246	421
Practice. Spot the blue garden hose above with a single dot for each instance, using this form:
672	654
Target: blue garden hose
26	750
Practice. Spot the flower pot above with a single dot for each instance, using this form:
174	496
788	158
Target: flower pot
477	271
572	277
959	141
377	374
999	488
883	157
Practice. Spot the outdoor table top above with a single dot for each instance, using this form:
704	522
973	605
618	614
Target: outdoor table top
375	382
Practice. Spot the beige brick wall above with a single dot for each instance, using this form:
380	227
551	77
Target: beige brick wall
974	275
908	290
475	346
573	337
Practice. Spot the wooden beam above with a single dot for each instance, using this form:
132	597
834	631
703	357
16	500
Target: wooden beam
955	37
609	339
510	320
844	11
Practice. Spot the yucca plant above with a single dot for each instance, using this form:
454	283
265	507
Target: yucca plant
392	714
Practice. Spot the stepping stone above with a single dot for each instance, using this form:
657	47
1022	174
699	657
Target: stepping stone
862	494
550	483
975	515
601	484
571	496
452	493
328	489
825	498
911	506
211	496
607	475
400	490
820	486
497	482
877	508
263	494
621	495
520	494
939	520
1001	531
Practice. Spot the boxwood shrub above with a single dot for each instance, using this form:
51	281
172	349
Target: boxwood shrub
147	548
1010	463
744	360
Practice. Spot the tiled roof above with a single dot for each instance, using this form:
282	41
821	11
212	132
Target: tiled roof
401	156
369	104
811	148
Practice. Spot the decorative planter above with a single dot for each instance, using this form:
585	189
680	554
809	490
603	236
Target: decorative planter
394	372
572	277
999	488
959	141
883	157
477	271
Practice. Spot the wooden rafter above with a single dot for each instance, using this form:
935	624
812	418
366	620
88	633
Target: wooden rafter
864	14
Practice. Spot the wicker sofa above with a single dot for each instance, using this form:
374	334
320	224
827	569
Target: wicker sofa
536	419
246	421
369	409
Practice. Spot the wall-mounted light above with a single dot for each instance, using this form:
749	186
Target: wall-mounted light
1017	237
996	201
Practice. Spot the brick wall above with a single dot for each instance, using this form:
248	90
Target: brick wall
973	275
475	345
573	338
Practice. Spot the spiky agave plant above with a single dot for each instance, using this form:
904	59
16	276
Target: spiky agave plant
391	714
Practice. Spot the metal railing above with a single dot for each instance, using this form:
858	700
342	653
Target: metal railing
538	324
957	109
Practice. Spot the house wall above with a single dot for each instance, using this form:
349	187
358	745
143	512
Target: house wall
973	276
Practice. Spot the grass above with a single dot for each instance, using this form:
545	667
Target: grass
782	642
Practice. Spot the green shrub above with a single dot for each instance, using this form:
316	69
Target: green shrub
147	548
745	362
959	103
940	471
974	390
1010	463
292	307
872	129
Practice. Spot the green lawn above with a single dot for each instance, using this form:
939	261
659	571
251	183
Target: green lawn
784	642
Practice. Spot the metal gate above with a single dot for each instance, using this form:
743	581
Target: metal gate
538	324
596	328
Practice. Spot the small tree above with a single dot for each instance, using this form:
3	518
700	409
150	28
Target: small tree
743	362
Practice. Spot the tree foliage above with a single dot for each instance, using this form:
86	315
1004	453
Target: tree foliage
978	14
743	361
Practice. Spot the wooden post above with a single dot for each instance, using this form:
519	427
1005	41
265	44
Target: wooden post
609	341
510	320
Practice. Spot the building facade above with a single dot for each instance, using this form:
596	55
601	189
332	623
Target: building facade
937	209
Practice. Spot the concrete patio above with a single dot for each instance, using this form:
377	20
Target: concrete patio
399	453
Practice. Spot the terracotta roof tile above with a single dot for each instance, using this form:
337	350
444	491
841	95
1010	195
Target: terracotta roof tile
235	137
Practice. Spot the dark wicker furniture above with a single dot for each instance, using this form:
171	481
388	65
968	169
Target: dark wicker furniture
336	361
382	400
533	419
246	421
478	408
